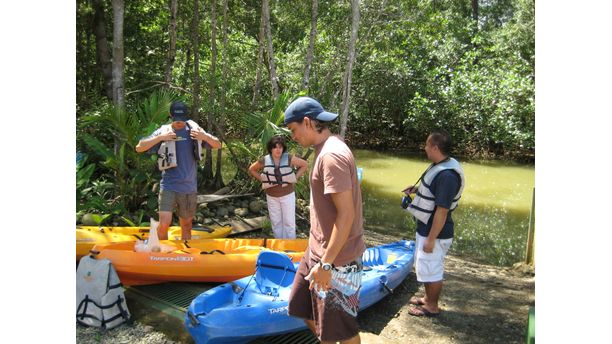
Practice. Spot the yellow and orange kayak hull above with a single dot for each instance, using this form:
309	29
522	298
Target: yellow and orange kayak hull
88	236
205	260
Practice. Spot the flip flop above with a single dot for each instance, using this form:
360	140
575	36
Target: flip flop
422	312
417	301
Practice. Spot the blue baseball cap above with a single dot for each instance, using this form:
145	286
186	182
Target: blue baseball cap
307	107
179	111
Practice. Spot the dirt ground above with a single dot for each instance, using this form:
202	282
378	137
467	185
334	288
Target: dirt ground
480	304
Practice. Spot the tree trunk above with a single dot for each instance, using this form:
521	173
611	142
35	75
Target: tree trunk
187	70
88	69
265	13
187	67
172	44
218	181
313	36
207	172
195	39
118	87
475	10
346	93
328	79
259	62
102	52
84	35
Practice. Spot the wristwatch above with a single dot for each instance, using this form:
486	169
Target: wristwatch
326	266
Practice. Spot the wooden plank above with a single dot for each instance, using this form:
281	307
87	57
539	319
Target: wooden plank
214	198
240	225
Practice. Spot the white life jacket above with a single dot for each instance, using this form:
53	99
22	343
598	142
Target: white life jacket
424	202
166	154
100	301
287	176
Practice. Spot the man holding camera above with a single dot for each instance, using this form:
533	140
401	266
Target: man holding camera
436	197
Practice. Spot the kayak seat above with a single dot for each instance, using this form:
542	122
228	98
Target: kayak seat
274	270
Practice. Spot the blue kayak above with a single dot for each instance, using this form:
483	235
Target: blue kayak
255	306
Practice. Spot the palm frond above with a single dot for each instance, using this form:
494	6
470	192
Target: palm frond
241	149
84	174
97	146
277	114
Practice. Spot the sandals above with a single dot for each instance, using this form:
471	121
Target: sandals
417	301
422	312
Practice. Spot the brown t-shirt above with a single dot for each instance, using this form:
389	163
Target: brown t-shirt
278	190
334	171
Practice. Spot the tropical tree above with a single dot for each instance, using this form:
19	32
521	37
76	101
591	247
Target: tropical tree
129	177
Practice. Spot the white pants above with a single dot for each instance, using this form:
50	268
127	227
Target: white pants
430	266
282	215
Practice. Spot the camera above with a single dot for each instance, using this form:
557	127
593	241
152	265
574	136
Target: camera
406	200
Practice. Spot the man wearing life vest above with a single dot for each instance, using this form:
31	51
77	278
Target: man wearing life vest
277	179
436	197
179	148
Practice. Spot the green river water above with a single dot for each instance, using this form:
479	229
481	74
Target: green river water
492	219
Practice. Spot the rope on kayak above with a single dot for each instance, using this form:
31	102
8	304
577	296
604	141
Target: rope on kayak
281	282
212	252
247	285
204	229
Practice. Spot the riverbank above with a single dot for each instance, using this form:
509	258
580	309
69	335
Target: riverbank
480	303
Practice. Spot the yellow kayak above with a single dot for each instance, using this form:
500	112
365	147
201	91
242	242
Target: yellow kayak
88	236
204	260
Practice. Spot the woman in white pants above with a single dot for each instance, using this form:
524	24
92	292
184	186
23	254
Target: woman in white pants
277	176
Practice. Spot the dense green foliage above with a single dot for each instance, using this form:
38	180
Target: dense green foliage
420	65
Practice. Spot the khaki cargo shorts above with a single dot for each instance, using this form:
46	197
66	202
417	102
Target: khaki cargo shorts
186	203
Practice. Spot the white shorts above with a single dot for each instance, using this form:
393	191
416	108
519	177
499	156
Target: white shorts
430	266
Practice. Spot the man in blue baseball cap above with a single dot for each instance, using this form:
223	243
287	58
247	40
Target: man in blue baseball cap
307	107
179	111
325	291
179	148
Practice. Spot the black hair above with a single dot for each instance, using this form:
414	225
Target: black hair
275	140
319	125
441	138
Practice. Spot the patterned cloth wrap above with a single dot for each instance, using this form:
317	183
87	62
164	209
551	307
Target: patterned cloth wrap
345	286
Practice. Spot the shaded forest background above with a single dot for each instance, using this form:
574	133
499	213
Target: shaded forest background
393	69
